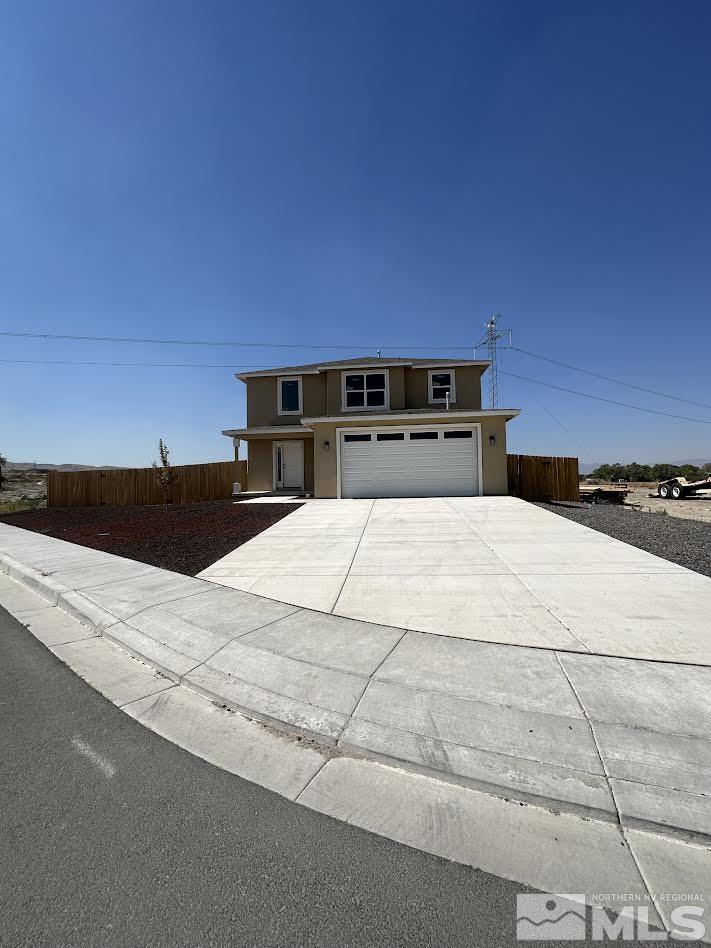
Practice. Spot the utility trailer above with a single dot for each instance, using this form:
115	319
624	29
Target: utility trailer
678	487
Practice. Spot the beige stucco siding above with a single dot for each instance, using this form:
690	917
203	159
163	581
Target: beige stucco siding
263	405
260	460
334	404
322	394
259	465
493	457
467	386
397	388
309	465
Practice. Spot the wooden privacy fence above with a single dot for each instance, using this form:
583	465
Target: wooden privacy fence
543	478
128	487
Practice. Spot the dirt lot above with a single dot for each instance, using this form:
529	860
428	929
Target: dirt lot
22	490
692	508
186	539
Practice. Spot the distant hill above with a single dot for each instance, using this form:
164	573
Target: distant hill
41	466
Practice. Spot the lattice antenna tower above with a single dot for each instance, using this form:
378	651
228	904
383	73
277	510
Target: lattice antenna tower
490	339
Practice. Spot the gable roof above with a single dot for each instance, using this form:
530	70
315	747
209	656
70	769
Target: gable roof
314	368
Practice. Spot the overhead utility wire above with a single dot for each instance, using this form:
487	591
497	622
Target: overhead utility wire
153	365
610	401
567	430
205	342
209	365
608	378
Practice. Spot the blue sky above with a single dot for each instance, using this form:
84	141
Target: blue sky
366	174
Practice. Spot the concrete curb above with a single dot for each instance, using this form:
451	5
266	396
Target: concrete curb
537	846
556	730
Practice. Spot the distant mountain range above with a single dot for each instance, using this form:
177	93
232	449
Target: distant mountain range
41	466
584	468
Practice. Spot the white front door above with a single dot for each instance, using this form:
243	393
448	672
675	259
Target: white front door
288	465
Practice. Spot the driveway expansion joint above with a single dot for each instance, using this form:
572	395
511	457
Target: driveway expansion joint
342	719
623	831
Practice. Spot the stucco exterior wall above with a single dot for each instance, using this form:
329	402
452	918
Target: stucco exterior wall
467	386
493	457
334	397
309	465
259	465
322	394
263	405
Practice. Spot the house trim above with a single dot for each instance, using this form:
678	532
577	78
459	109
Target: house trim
452	365
373	366
272	431
379	417
365	372
290	378
452	388
272	373
280	444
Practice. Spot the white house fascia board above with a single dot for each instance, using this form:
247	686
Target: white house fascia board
325	367
364	366
271	373
452	365
429	415
275	429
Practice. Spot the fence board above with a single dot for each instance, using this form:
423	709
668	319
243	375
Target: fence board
129	487
543	478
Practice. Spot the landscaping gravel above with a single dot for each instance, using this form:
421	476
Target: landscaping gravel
686	542
186	538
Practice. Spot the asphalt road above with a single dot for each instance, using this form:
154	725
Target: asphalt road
145	844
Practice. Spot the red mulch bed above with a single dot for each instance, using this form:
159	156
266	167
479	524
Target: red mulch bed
186	539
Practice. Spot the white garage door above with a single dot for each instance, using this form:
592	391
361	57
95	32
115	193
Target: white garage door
421	462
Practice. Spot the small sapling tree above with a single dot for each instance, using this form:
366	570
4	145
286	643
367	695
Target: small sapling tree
164	474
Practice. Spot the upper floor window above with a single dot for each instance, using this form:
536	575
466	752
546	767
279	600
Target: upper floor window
365	390
289	396
441	381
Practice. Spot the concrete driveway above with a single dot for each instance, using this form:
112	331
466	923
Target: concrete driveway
495	569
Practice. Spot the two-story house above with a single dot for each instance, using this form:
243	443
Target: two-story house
374	428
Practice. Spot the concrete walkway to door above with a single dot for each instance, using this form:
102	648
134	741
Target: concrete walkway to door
494	569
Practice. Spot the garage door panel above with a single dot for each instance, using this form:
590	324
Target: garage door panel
418	467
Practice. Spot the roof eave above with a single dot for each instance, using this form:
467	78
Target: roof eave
271	373
507	413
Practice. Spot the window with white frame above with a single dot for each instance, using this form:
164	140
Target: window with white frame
289	396
363	390
441	381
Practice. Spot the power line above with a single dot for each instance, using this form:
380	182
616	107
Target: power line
270	345
153	365
610	401
607	378
205	342
567	430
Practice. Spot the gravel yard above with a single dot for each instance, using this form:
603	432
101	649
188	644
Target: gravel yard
683	541
186	539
